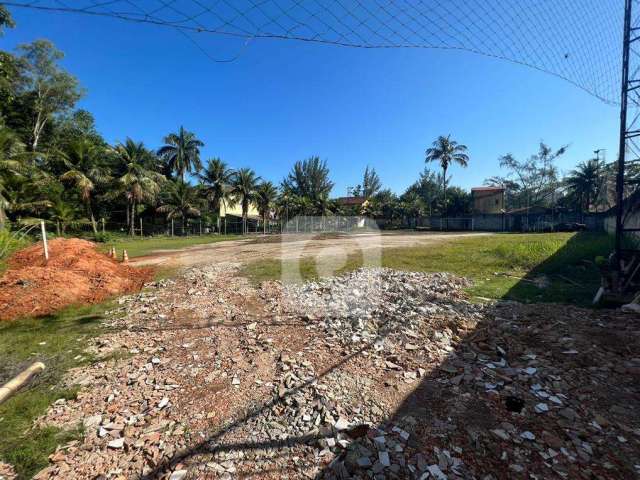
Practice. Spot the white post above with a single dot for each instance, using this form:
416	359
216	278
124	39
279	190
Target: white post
172	227
140	227
44	241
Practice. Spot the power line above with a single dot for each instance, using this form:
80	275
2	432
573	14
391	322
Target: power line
579	42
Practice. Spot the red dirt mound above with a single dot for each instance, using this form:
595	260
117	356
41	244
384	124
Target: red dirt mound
75	273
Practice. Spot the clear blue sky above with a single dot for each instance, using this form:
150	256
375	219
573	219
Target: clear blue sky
282	101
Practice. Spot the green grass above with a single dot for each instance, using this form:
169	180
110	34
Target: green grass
502	266
137	247
65	336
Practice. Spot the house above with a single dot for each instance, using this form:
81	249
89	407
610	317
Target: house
236	210
230	218
352	202
488	200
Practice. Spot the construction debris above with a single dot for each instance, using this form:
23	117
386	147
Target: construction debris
375	374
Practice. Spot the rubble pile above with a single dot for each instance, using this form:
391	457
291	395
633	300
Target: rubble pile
378	303
376	374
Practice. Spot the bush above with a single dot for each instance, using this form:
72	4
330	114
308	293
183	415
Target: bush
104	237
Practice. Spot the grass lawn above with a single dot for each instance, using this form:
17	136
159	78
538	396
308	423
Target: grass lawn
137	247
58	341
510	266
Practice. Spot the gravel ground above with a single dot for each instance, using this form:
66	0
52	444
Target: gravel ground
375	374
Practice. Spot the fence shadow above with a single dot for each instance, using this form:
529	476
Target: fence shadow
570	275
515	396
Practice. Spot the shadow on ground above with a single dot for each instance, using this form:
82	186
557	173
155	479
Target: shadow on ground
570	275
522	391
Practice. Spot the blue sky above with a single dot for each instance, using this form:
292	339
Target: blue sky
282	101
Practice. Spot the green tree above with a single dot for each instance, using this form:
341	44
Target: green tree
6	21
584	183
216	182
244	190
428	188
309	178
54	90
266	196
11	166
447	152
371	183
182	152
412	206
138	182
65	215
180	201
82	162
536	177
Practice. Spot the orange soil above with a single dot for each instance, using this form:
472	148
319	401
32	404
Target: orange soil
75	273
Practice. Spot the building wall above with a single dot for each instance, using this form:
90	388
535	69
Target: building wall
237	210
487	202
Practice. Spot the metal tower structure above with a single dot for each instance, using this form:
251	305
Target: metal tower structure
626	262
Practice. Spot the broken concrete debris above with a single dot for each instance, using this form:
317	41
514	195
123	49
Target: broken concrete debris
375	374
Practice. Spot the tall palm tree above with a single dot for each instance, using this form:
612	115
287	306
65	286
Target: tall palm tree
182	152
82	161
266	196
447	152
584	182
181	201
216	185
244	190
138	182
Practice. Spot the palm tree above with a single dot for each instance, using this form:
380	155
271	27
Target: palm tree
82	162
11	151
138	182
216	180
447	152
584	182
244	190
267	194
182	152
65	215
181	201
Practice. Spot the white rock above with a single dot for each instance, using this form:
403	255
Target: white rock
528	435
117	443
541	408
341	424
163	403
384	459
178	475
436	473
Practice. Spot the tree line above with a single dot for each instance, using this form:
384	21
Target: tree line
55	165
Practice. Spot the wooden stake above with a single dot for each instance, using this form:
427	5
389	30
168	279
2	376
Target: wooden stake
13	385
44	241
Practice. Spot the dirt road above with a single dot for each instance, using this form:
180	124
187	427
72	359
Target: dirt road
291	246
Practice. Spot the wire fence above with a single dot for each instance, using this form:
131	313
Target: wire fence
578	41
